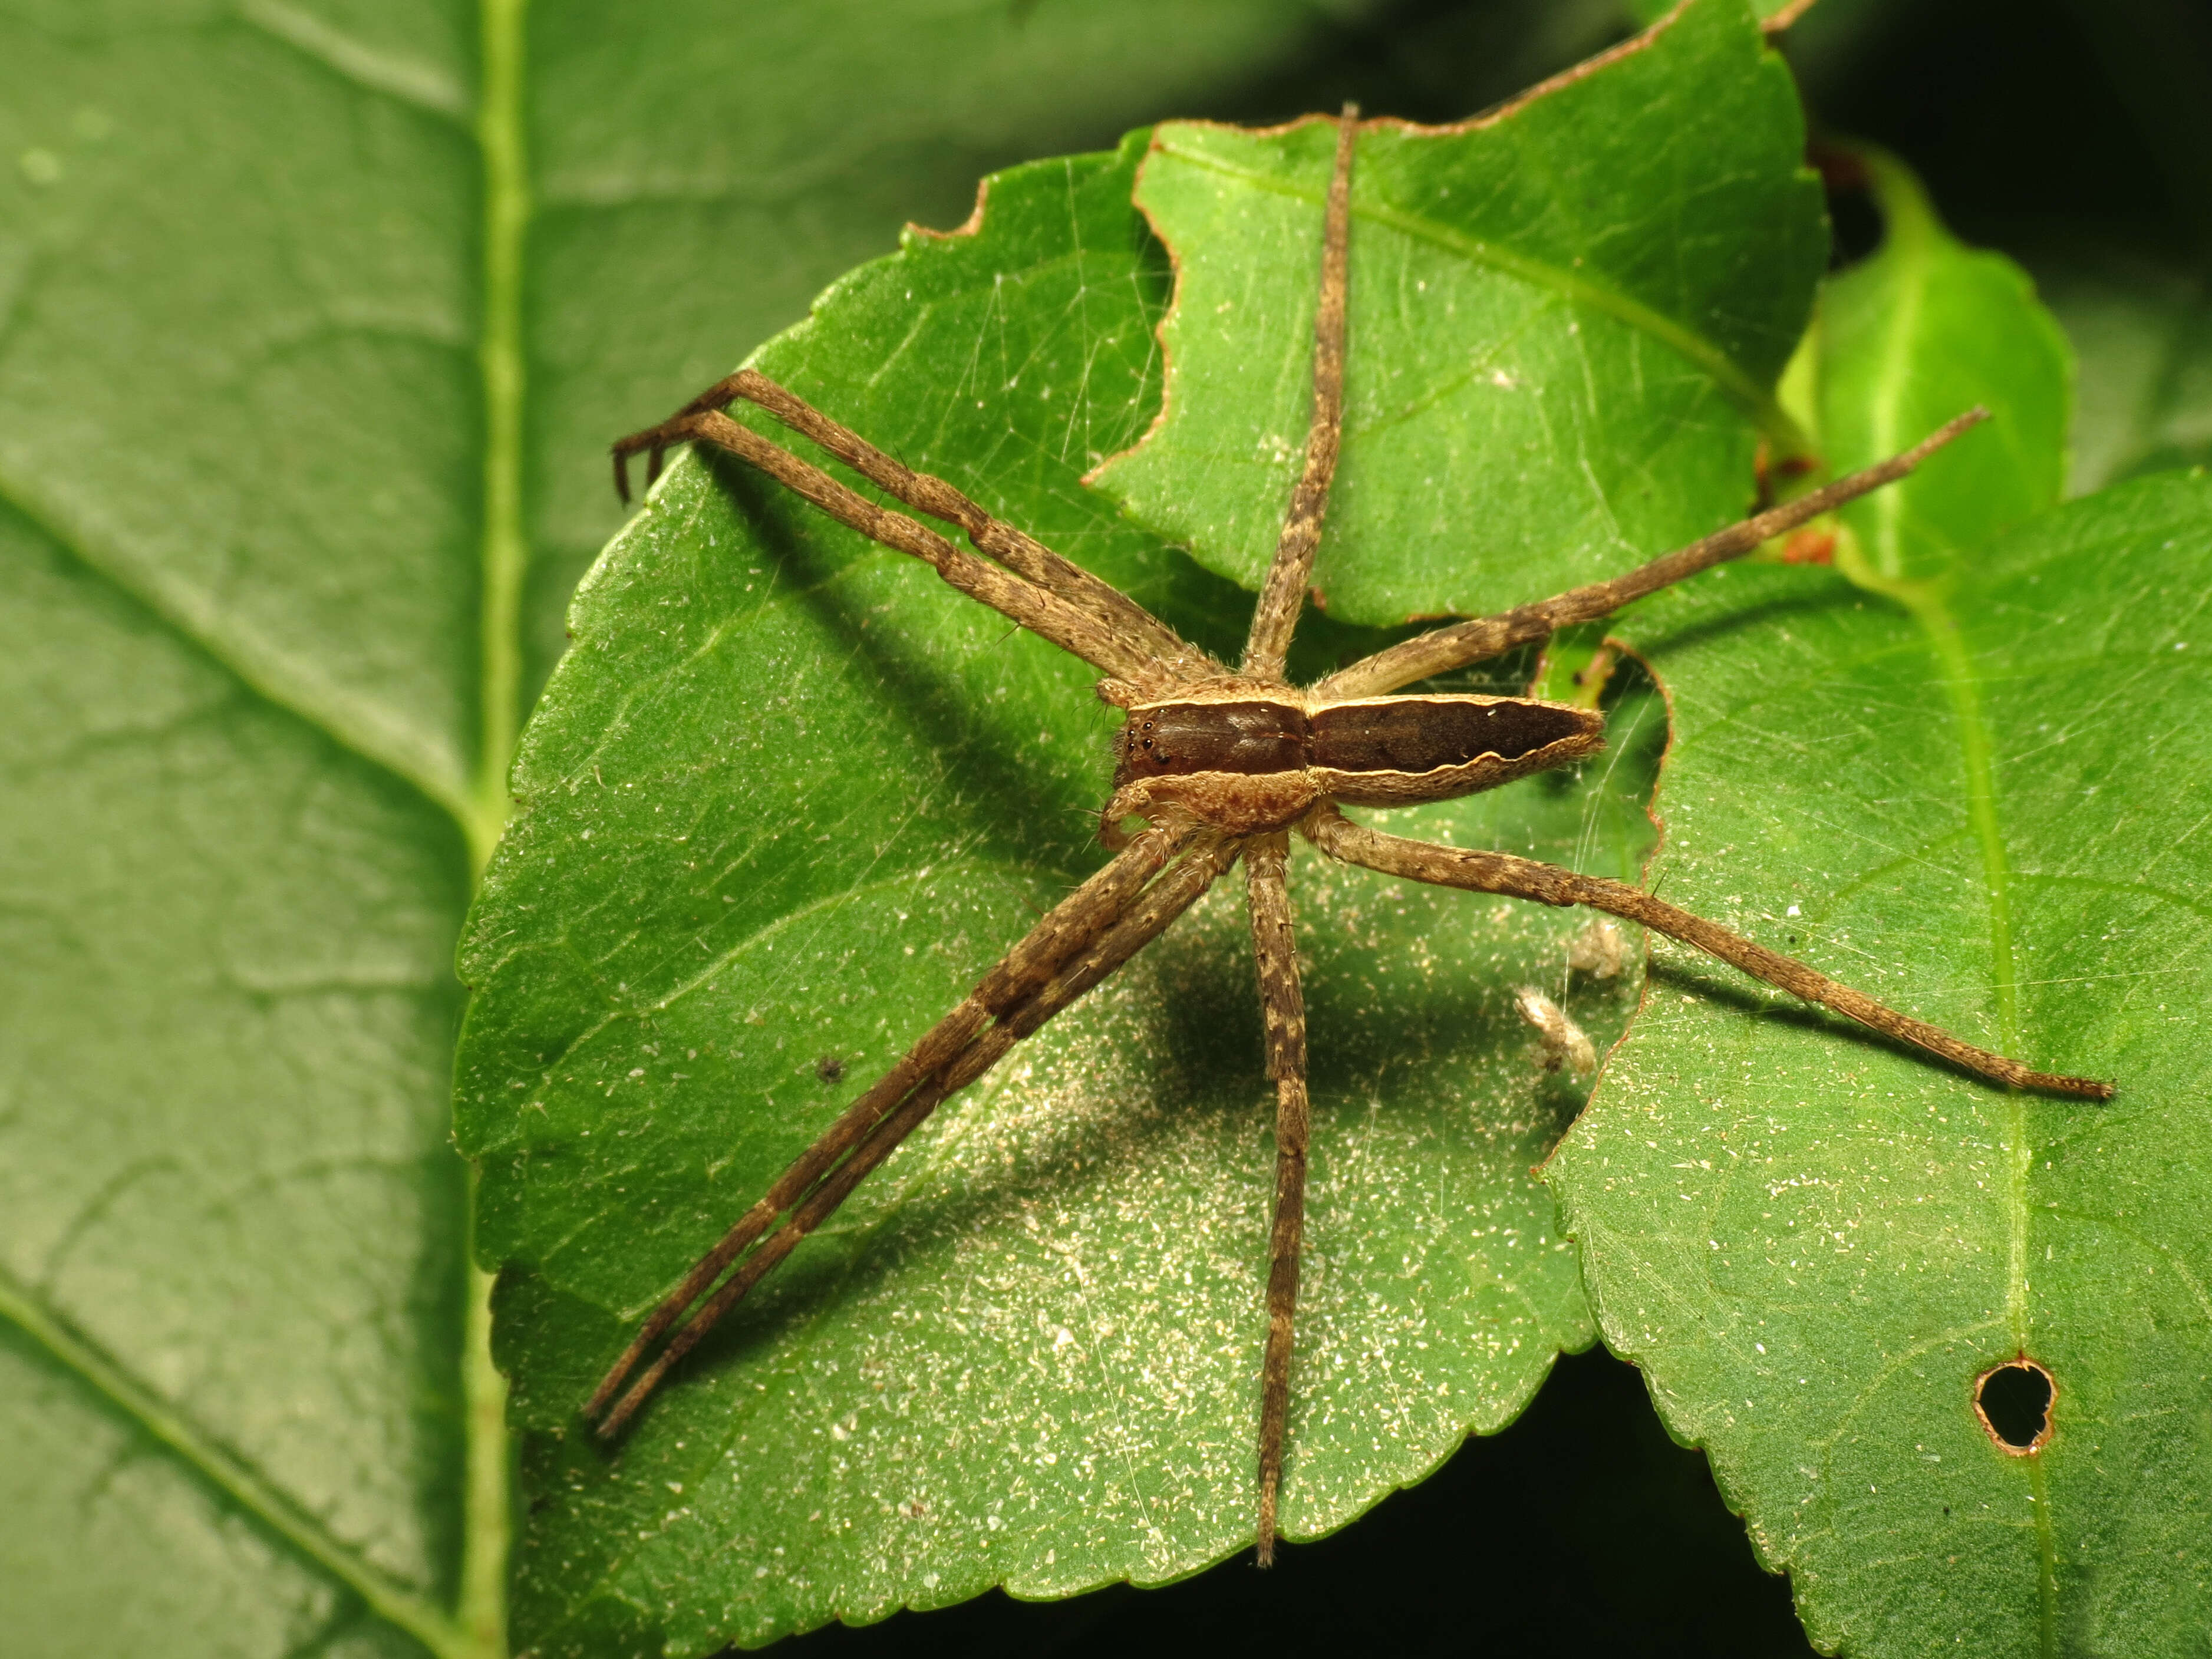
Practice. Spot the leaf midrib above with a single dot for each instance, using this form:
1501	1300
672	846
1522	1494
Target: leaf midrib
1914	240
505	548
487	1501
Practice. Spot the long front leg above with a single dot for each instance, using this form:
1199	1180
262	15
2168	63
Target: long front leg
1442	649
1020	552
1501	873
1282	1006
825	1182
1076	630
1072	926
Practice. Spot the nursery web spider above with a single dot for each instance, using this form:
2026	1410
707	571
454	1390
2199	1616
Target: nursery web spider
1221	763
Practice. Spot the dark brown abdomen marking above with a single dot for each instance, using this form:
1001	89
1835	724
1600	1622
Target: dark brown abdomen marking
1420	734
1255	737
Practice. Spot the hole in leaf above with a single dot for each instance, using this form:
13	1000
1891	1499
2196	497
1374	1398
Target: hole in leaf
2014	1402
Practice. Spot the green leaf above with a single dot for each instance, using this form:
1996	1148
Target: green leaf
231	1303
241	567
785	800
1568	317
1925	328
1775	14
1969	791
1983	809
314	346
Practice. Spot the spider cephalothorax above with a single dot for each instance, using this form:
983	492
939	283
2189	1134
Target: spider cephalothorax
1221	765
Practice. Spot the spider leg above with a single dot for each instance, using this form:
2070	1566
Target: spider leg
1283	592
1077	920
1283	1007
1143	633
1049	979
1074	630
1455	646
1501	873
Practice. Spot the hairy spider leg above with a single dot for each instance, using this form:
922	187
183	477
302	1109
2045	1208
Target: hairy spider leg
1462	643
1073	629
1282	1003
1282	594
1458	644
1283	1008
995	539
1144	920
1501	873
1072	926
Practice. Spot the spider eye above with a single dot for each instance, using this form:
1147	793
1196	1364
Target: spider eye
1148	743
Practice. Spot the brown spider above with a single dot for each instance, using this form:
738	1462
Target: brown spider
1219	764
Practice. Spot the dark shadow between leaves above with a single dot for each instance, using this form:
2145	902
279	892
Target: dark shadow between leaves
1581	1528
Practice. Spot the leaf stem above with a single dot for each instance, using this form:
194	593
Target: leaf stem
1927	601
506	553
488	1520
488	1514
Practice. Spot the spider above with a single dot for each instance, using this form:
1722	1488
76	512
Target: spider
1217	765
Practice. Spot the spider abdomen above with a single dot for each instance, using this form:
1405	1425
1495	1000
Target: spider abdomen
1248	759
